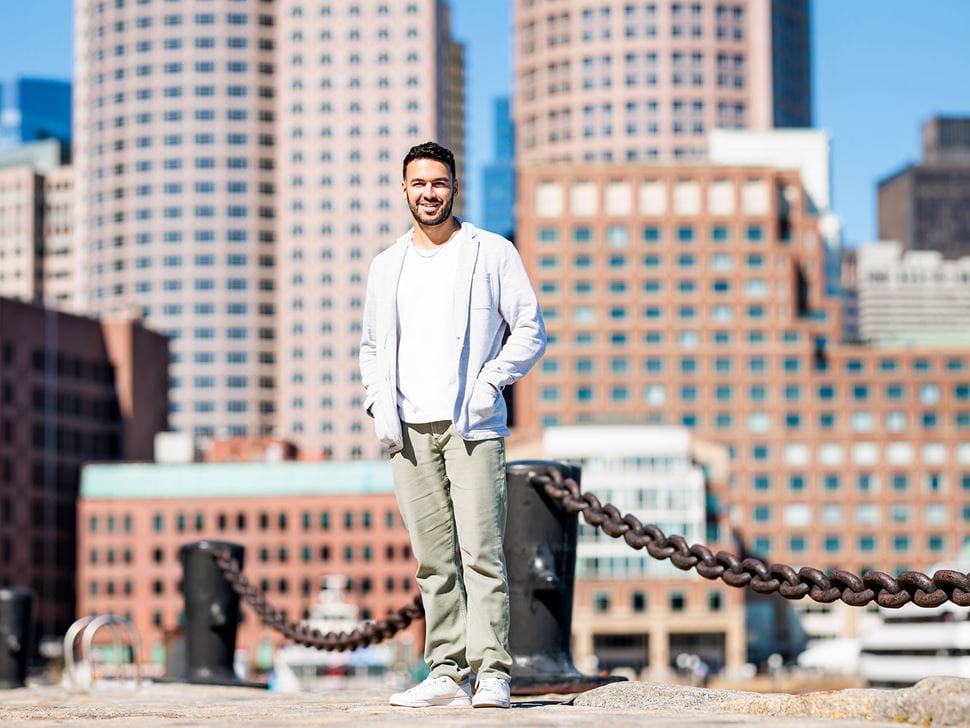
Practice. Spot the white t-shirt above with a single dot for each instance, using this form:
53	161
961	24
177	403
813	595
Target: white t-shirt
427	367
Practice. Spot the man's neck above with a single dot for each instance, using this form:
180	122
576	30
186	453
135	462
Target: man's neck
429	237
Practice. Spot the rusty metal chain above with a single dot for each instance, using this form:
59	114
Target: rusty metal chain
854	590
367	634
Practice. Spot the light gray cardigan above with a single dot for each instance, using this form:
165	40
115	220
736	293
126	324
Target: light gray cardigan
492	296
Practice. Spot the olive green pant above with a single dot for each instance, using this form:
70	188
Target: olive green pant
453	497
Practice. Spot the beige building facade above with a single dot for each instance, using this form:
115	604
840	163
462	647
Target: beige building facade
359	84
175	133
238	167
621	81
38	251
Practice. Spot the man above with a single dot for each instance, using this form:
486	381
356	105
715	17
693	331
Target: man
434	358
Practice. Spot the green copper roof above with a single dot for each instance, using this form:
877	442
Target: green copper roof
215	480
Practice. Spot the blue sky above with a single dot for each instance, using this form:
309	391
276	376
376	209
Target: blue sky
881	68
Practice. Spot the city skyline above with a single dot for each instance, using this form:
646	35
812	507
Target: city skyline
907	94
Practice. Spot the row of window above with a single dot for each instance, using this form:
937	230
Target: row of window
199	284
788	392
264	521
868	514
201	42
279	586
756	422
866	543
602	602
174	19
236	406
899	482
199	236
176	115
264	554
619	235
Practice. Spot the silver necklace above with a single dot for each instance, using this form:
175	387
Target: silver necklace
432	254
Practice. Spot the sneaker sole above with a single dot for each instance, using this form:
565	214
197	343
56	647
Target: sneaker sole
437	703
490	705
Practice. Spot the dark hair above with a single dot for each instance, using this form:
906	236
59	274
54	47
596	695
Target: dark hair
429	150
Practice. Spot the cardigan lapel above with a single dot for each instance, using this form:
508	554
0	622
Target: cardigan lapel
467	257
388	310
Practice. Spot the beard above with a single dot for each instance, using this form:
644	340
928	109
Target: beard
438	217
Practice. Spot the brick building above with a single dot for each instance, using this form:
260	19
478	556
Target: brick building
694	295
72	390
299	522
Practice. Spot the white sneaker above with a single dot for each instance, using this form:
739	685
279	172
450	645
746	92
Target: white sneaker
492	692
433	691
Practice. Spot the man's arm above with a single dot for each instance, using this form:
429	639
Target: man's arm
527	334
370	374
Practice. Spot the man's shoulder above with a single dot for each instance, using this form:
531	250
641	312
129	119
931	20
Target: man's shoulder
493	242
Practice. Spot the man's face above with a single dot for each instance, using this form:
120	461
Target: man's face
430	191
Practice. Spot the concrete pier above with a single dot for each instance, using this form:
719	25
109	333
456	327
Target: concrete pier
935	701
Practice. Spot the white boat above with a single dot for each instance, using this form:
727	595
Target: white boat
916	642
299	668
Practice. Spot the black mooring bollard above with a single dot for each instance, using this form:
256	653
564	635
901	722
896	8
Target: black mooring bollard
211	614
540	548
16	632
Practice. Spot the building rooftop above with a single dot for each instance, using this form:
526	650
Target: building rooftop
217	480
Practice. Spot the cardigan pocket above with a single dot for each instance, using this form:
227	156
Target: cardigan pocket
481	295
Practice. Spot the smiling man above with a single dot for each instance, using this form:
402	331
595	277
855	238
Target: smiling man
450	319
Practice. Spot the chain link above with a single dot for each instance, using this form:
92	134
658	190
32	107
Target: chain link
856	591
886	591
369	633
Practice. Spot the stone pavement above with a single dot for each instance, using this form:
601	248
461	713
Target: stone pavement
936	701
